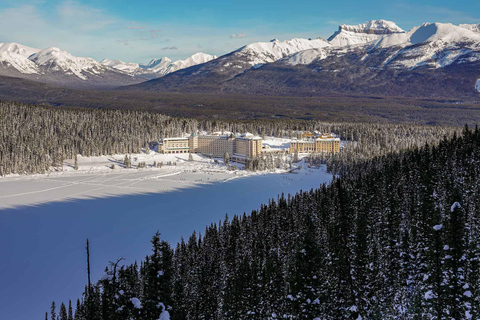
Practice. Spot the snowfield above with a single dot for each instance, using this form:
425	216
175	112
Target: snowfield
118	211
96	179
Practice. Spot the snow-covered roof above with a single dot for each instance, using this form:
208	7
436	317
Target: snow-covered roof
249	136
174	139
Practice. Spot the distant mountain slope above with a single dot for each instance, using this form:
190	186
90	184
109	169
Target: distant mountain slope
55	66
377	57
157	67
432	60
363	33
205	77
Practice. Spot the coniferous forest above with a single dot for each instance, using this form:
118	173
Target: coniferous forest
36	139
393	237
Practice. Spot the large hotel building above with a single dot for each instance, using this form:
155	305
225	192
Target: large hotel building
242	147
239	148
322	143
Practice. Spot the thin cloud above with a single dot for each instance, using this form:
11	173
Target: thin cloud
237	35
169	48
154	33
135	27
124	42
82	17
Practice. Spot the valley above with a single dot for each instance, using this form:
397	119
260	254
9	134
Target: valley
184	161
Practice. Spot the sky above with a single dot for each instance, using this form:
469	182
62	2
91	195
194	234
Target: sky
138	31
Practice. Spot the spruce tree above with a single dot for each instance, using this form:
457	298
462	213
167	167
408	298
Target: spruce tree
53	312
63	312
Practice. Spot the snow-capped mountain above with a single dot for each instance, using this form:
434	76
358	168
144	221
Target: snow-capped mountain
434	45
377	51
157	67
16	56
363	33
434	59
267	52
120	65
56	60
471	27
197	58
56	66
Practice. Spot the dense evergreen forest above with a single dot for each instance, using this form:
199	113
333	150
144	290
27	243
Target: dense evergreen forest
35	139
392	237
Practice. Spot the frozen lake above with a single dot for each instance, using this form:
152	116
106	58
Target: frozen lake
43	246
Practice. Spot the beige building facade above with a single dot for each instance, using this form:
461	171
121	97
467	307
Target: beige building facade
238	148
326	143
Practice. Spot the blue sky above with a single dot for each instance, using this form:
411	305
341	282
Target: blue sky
137	31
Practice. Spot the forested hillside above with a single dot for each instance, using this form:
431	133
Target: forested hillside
394	237
37	139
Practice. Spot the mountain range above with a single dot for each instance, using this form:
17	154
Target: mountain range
55	66
377	57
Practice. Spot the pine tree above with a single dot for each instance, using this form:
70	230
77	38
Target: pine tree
226	158
70	310
295	157
63	312
52	312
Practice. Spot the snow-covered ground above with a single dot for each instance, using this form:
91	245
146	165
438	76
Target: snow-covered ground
274	143
95	178
43	245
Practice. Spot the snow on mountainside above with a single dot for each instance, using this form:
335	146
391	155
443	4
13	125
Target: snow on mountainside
53	63
363	33
368	48
158	67
16	55
197	58
267	52
471	27
22	50
434	45
120	65
54	59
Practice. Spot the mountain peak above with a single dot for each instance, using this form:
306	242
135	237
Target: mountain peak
18	49
155	62
373	27
363	33
471	27
56	59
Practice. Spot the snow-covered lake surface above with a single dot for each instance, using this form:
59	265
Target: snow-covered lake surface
42	243
94	178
